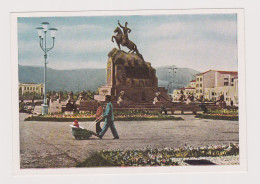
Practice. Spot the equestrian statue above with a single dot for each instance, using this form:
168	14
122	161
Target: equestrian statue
122	39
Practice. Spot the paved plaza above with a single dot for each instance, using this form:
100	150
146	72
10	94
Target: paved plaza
50	144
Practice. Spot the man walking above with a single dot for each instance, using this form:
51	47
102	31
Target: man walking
109	120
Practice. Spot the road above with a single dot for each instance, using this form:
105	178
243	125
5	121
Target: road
50	144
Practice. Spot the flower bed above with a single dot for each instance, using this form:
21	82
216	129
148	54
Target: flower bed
63	117
156	157
145	118
218	116
222	114
136	112
69	118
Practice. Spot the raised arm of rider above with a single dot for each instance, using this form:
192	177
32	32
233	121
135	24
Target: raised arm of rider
120	25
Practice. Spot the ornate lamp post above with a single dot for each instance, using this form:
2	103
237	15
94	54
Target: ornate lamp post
42	33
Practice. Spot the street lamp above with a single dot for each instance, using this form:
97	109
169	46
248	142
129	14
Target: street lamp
42	33
172	71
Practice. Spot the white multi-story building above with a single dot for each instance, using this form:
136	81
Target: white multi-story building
213	78
30	88
211	84
230	93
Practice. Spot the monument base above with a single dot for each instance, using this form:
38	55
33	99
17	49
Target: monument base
132	94
131	81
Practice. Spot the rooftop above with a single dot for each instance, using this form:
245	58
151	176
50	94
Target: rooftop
222	72
29	83
205	72
228	72
186	88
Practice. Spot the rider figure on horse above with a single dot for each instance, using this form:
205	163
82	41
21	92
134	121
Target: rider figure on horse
122	39
126	30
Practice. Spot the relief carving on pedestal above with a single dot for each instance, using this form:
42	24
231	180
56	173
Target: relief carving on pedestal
120	75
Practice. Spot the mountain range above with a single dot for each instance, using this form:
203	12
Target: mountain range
91	79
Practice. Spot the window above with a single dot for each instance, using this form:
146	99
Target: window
212	93
225	83
197	91
225	78
201	79
201	91
200	85
197	85
232	79
30	88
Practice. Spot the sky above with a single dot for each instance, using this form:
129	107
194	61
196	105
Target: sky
200	42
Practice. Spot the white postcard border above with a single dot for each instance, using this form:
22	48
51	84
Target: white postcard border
130	170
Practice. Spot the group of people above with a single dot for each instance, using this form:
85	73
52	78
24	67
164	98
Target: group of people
71	106
108	115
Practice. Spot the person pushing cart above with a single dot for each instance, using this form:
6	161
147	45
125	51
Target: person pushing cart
109	120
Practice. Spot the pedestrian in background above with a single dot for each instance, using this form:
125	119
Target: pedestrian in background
99	117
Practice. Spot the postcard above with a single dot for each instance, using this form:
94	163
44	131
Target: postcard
150	91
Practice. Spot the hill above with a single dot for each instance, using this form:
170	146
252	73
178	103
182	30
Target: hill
91	79
181	78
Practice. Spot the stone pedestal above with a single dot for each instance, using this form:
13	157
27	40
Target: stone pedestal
129	73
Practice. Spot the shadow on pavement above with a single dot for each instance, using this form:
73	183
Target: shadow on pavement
199	162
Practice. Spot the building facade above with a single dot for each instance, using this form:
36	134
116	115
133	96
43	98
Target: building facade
189	90
30	88
230	93
192	84
204	80
211	84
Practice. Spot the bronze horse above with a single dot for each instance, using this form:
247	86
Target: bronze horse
123	40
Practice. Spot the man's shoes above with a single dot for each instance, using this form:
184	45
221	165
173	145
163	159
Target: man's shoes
116	137
99	136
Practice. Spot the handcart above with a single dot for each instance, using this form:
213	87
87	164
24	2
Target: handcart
82	133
